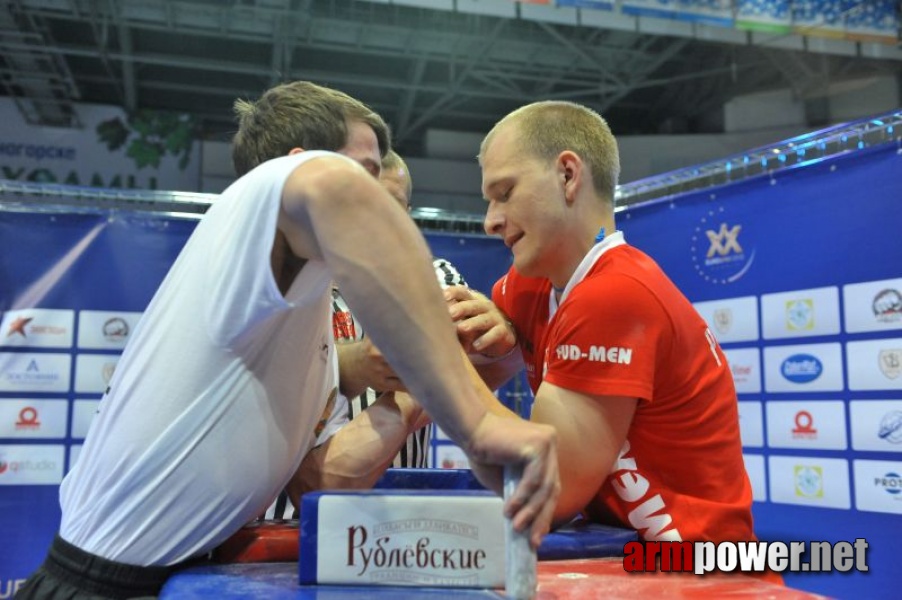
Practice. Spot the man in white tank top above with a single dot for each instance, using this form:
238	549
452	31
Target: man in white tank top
228	381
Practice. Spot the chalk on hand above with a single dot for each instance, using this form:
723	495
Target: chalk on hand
520	574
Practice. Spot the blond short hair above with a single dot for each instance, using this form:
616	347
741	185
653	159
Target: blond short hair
545	129
392	162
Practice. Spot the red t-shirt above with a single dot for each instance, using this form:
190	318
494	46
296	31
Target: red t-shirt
626	330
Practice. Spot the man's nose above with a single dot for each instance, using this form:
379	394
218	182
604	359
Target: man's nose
493	221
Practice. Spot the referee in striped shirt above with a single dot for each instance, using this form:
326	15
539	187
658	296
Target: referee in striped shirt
363	371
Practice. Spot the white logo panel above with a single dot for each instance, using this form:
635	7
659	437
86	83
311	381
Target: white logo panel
751	424
801	313
25	418
811	424
875	364
74	453
98	330
94	371
878	485
32	372
731	319
876	425
811	368
449	456
754	466
37	328
873	305
31	464
745	366
83	412
809	481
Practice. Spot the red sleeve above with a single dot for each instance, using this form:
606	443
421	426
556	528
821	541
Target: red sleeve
607	338
499	297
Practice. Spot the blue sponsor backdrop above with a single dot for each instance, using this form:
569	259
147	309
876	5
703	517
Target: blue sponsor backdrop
111	261
824	224
830	223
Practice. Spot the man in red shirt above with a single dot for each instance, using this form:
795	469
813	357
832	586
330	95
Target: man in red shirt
620	363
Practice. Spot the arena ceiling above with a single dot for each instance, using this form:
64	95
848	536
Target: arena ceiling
421	68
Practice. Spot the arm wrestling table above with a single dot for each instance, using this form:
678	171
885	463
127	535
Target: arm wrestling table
581	561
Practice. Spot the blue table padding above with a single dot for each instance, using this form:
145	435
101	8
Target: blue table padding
582	539
279	581
429	479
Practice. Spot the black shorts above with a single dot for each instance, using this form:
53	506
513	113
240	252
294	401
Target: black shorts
71	573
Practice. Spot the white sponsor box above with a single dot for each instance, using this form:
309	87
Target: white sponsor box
754	466
809	481
31	465
873	305
449	456
878	485
745	366
29	418
876	425
810	424
94	371
731	319
800	313
803	368
447	538
74	453
875	364
83	412
37	328
751	424
103	330
33	372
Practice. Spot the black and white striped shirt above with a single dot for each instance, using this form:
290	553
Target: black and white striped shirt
416	451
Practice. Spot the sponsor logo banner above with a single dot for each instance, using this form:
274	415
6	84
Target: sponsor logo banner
876	425
83	412
745	366
37	328
809	481
754	466
449	456
452	541
878	485
99	330
723	249
731	319
873	305
93	372
30	372
24	418
146	149
810	424
811	368
801	313
751	424
875	364
31	465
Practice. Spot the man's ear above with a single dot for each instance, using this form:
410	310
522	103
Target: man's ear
570	169
297	150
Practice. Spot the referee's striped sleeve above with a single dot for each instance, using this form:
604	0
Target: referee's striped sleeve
447	273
